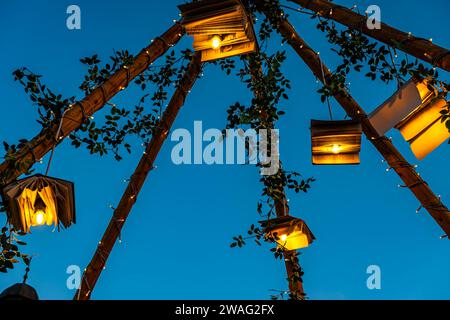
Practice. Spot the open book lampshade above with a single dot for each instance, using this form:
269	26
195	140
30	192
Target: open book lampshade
414	110
221	28
288	232
335	142
39	200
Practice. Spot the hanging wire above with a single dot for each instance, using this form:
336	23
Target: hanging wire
57	138
397	76
330	111
297	10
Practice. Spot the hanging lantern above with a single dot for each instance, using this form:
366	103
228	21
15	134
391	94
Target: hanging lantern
288	232
409	97
424	128
335	142
415	111
221	28
19	291
39	200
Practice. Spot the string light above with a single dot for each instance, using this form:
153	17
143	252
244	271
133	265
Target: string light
418	209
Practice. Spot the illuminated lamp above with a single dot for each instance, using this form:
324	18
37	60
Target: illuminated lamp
220	28
288	232
335	142
39	200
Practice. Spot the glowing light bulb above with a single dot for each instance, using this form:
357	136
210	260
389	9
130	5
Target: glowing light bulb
40	217
216	42
336	148
283	237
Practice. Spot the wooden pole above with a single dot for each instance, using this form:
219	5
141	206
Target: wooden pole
394	158
420	48
46	139
291	261
112	233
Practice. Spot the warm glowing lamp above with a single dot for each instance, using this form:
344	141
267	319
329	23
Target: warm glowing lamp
288	232
216	42
335	142
414	110
221	28
409	97
39	200
39	216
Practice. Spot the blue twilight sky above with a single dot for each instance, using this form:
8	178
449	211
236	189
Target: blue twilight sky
176	240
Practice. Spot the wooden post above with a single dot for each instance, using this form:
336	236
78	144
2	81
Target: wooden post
420	48
46	139
112	233
291	261
394	158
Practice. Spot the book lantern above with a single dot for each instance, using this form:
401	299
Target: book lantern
19	291
288	232
221	28
424	128
414	110
335	142
39	200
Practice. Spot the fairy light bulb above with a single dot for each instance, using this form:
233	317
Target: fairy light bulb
283	237
216	42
